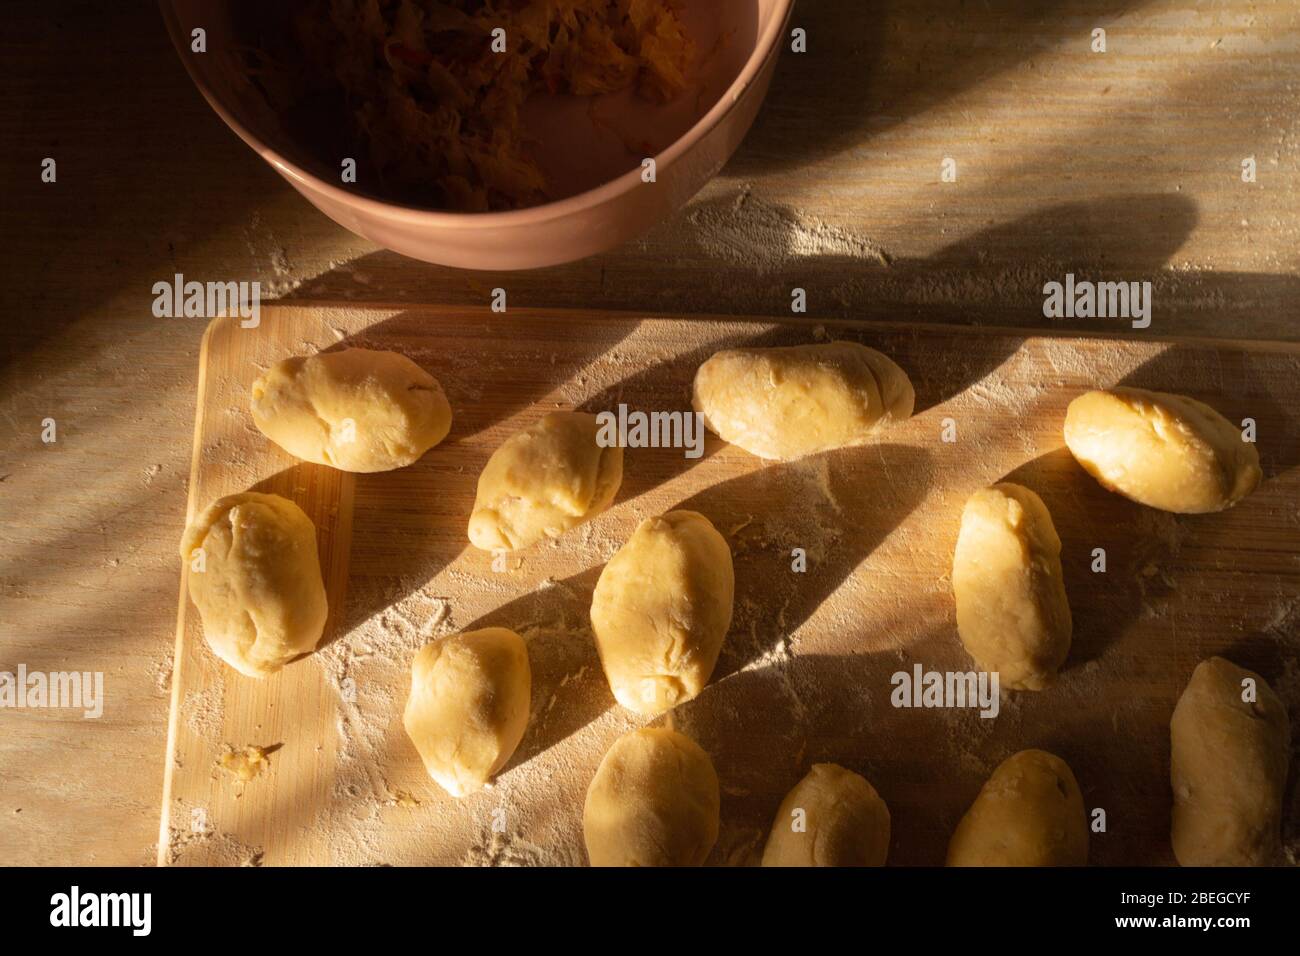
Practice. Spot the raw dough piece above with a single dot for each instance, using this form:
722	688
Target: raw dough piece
661	609
260	592
1012	612
784	403
1165	451
1029	813
543	481
468	707
1228	765
653	802
355	409
846	823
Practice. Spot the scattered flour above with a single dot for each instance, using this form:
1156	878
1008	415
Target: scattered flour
766	236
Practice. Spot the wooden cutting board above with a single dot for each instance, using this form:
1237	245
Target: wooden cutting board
805	675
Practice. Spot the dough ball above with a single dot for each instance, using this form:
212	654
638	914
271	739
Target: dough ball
784	403
260	592
1165	451
544	481
1228	766
653	802
1012	613
355	410
1030	813
844	822
468	707
661	609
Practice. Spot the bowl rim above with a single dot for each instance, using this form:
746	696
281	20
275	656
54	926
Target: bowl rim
766	46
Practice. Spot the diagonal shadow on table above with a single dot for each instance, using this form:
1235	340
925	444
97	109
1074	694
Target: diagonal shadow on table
1087	517
927	764
738	254
843	504
864	71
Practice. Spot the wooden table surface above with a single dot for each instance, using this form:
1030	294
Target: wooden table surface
1119	165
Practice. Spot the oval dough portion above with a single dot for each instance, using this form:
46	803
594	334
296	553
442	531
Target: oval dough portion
468	706
653	802
1029	813
355	409
845	822
1165	451
1012	613
543	482
260	593
1228	766
661	610
786	402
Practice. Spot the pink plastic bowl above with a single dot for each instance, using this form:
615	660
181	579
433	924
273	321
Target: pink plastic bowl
607	200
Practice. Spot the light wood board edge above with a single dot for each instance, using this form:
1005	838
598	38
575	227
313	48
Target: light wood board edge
173	707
